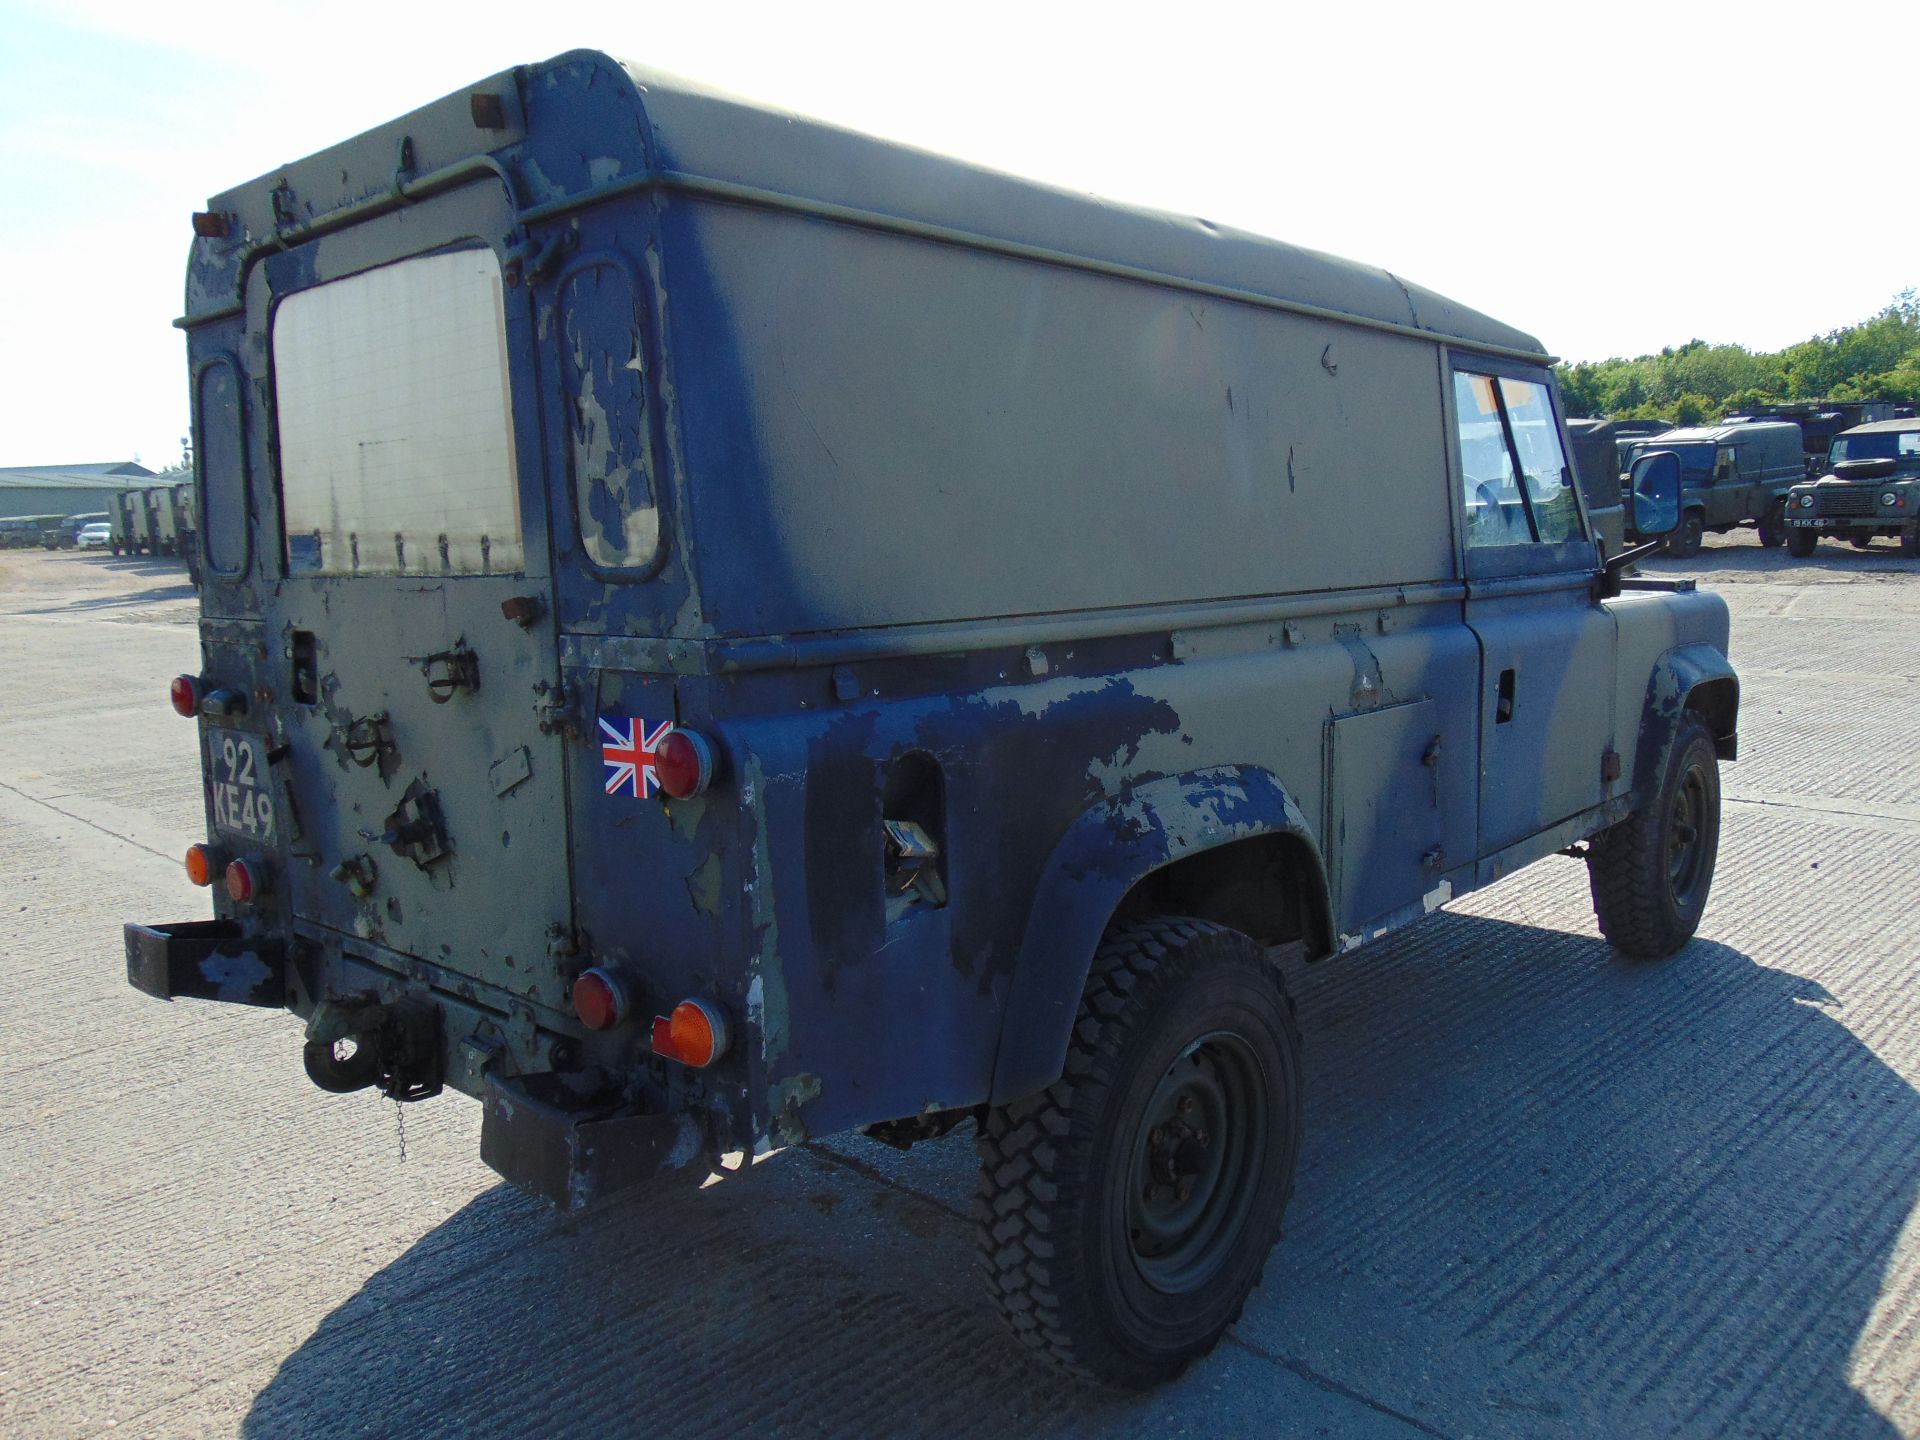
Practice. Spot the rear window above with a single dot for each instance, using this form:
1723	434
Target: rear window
396	446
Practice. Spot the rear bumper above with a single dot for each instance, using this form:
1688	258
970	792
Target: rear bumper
206	960
536	1132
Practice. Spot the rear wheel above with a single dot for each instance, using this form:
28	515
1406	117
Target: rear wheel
1800	543
1684	543
1651	872
1127	1210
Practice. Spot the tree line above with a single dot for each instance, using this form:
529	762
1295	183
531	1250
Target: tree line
1878	359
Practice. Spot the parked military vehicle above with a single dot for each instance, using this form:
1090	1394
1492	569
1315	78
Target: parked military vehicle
1820	421
834	638
23	532
122	512
65	535
1872	488
1735	475
1594	447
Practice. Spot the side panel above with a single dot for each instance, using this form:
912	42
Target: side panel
886	430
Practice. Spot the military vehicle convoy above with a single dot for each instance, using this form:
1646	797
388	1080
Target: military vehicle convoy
719	631
1871	488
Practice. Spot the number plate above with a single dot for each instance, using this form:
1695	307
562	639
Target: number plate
1814	524
243	800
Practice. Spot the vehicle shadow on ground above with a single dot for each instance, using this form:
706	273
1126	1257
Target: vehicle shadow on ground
1571	1194
1544	1193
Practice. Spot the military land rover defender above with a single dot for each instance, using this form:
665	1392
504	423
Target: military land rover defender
718	631
1872	487
1733	475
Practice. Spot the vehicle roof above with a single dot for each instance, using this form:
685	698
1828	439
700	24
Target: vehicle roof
1712	434
694	137
1883	427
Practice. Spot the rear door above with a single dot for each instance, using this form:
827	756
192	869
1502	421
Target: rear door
413	616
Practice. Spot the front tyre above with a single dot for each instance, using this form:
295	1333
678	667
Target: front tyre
1126	1211
1773	525
1685	542
1651	872
1800	543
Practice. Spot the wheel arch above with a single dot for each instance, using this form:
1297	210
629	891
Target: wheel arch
1227	844
1697	679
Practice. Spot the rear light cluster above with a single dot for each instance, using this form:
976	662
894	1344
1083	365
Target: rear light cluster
695	1034
245	881
185	694
245	878
683	763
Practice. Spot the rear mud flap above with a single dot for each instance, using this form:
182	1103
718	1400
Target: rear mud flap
537	1133
206	960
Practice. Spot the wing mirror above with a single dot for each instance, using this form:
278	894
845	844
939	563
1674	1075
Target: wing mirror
1653	494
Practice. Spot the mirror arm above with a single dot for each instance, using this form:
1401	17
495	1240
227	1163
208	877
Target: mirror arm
1607	581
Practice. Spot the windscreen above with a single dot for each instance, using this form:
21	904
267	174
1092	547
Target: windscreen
1876	445
1696	459
396	446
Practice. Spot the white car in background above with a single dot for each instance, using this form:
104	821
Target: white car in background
97	536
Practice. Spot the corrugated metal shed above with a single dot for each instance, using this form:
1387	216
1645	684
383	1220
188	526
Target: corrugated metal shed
68	489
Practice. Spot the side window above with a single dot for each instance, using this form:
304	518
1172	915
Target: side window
603	357
220	455
1909	443
1518	487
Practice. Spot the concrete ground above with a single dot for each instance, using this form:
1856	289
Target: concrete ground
1544	1192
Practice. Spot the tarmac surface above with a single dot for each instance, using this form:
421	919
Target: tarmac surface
1544	1192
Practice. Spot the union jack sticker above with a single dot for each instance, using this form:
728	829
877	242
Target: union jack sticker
626	749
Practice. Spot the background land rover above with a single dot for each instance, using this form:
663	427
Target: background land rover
1872	488
1734	475
717	630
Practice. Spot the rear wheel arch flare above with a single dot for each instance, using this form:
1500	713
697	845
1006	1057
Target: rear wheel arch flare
1176	835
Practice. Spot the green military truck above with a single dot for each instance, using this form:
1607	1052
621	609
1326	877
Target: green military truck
1734	475
718	631
1871	488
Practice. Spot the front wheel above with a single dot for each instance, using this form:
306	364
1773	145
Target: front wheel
1773	525
1650	873
1910	540
1684	543
1800	543
1127	1210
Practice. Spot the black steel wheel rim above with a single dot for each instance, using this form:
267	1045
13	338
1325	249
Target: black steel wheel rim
1196	1163
1686	835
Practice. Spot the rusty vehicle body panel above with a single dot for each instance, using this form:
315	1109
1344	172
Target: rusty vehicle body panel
1026	562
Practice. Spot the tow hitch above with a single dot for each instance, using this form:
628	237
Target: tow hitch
361	1041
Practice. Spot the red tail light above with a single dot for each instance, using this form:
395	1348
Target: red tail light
599	999
695	1034
185	694
683	763
245	881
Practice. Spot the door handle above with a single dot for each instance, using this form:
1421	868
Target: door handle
1503	699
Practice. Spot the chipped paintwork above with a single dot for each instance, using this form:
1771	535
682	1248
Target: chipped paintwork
1132	641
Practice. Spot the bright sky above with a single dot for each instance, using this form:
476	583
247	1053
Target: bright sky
1649	174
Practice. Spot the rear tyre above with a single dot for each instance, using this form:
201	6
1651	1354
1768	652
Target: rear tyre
1127	1210
1651	872
1773	525
1800	543
1684	543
